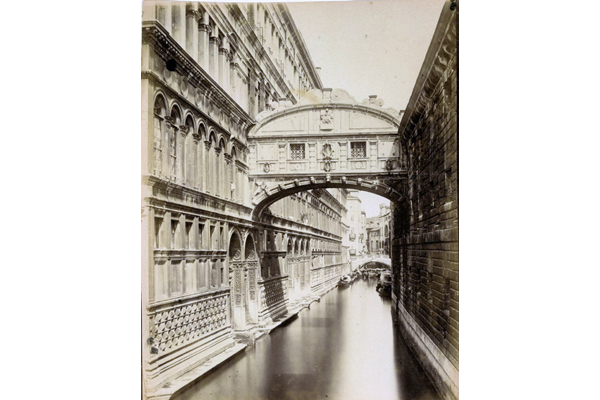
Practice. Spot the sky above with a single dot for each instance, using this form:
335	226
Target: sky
369	47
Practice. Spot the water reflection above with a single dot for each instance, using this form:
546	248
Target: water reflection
342	348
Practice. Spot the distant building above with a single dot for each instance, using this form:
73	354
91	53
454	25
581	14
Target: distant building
357	224
378	232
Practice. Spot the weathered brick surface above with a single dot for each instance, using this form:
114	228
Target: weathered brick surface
425	251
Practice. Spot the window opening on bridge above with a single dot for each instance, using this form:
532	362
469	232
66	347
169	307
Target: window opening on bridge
297	151
358	149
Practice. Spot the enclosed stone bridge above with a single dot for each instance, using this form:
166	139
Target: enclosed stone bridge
326	140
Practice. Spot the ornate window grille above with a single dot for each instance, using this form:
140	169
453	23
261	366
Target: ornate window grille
298	151
358	149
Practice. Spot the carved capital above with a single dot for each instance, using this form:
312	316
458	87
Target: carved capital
193	13
218	150
184	129
215	40
204	28
196	137
207	144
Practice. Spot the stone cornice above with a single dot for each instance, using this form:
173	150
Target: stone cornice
239	144
167	48
216	202
289	227
241	165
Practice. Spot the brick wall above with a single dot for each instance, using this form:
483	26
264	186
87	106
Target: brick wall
425	248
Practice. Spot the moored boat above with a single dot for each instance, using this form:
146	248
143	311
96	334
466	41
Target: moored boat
345	281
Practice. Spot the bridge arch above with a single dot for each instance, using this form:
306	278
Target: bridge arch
265	195
385	261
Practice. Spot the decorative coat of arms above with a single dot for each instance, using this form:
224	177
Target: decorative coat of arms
327	119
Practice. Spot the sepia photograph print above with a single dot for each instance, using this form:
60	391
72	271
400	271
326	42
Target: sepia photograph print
299	200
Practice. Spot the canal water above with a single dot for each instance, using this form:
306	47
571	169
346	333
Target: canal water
344	347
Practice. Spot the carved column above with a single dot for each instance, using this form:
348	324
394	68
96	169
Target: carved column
252	266
169	158
194	179
191	34
229	183
204	31
343	156
238	295
179	23
181	154
217	179
373	155
213	62
165	15
313	157
233	85
208	168
282	157
224	64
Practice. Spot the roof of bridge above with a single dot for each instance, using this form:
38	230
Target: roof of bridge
326	98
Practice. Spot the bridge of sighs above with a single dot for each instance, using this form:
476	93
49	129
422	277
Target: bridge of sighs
327	140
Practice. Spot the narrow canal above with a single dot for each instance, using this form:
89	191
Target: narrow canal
344	347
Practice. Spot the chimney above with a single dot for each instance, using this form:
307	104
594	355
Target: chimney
372	98
318	71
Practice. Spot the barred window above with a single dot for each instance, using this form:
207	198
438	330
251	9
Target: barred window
358	149
298	151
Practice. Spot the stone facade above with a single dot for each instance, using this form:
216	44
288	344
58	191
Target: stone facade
357	224
378	232
211	272
425	227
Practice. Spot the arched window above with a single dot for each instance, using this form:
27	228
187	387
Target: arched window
222	170
234	178
201	168
189	152
212	171
160	110
172	133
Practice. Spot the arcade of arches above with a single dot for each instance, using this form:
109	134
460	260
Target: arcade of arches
245	185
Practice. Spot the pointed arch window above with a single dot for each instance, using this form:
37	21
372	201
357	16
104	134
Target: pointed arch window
234	190
189	153
175	121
